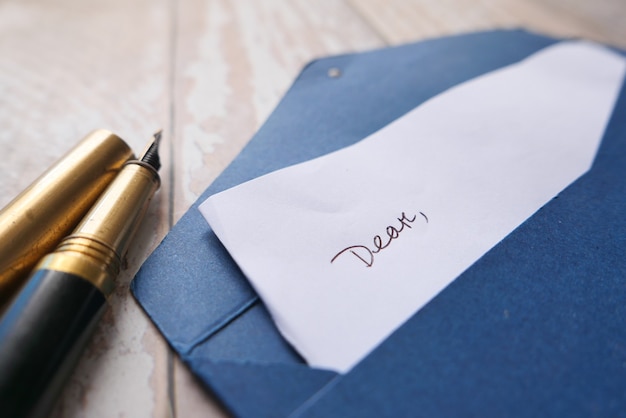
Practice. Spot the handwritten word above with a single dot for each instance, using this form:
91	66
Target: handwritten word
366	254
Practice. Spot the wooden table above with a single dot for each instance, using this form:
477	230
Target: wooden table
208	72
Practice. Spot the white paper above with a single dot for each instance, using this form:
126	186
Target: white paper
447	181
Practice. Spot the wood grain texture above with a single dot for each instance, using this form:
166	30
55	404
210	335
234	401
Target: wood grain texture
209	72
399	21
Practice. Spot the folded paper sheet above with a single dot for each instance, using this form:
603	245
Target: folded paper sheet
343	249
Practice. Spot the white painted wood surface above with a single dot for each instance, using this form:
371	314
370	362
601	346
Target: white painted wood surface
208	72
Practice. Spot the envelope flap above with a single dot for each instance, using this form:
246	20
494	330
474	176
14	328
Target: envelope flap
249	337
261	390
178	284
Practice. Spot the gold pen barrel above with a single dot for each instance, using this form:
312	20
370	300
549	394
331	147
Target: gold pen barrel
34	223
95	250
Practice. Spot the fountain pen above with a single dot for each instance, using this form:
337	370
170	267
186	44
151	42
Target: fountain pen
45	329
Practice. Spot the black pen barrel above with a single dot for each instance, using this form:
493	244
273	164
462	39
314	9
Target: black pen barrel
43	334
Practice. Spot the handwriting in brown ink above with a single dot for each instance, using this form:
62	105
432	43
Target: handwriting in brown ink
366	254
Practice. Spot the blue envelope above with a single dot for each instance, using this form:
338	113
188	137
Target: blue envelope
536	327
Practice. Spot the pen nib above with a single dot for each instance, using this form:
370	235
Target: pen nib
151	156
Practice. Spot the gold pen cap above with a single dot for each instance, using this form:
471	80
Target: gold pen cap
42	215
